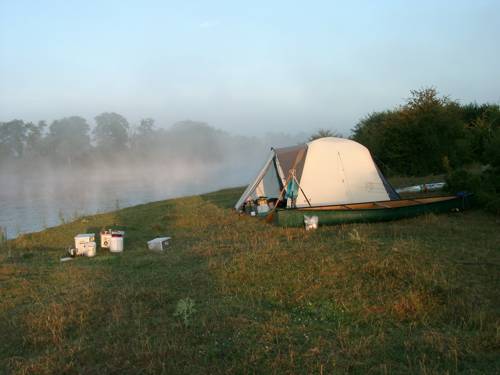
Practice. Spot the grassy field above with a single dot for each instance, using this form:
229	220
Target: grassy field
413	296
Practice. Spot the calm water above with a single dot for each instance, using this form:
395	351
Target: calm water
33	201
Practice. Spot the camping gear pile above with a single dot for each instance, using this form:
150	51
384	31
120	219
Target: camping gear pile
85	244
338	181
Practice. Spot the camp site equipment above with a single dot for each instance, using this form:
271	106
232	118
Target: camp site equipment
90	249
424	188
159	243
262	206
105	239
326	171
311	222
116	243
81	241
336	180
106	236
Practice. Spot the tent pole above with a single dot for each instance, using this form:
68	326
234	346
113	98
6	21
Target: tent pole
305	196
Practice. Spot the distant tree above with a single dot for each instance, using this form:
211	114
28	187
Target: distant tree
145	138
12	139
146	126
35	138
68	138
323	133
111	131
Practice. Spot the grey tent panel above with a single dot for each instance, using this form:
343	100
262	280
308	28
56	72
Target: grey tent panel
292	158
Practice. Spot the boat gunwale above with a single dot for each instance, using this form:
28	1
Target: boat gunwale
349	207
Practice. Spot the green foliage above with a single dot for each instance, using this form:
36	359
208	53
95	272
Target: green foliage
12	138
35	146
68	139
111	131
184	310
462	181
415	138
485	186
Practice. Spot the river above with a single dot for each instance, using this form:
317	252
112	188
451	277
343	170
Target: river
35	200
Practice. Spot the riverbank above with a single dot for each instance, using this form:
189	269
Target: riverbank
414	296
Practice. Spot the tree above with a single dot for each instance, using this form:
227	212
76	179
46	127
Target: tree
145	140
481	123
12	139
69	139
34	138
146	127
323	133
418	138
111	132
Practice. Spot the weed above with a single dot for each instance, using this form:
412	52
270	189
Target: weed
185	310
354	236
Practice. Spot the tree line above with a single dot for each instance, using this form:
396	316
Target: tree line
71	141
433	134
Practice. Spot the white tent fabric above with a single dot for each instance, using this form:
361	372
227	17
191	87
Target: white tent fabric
335	171
339	171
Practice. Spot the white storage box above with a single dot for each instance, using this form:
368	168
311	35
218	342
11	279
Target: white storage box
105	239
81	240
159	244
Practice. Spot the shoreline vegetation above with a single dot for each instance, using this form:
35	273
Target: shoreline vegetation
234	294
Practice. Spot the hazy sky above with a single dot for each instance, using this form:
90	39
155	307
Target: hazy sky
247	67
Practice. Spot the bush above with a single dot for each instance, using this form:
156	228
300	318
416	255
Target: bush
461	180
486	187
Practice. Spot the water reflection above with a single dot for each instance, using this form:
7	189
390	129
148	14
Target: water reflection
32	201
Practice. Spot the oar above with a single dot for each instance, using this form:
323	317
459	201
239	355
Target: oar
270	215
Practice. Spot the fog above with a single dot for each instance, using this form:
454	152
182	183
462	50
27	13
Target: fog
47	189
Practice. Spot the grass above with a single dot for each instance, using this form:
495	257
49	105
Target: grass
414	296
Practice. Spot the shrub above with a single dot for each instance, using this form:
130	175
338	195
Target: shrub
185	310
461	180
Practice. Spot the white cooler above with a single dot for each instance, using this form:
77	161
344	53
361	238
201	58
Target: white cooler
158	244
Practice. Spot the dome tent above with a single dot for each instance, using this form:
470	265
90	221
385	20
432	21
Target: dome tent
326	171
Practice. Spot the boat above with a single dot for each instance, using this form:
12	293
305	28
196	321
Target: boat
371	211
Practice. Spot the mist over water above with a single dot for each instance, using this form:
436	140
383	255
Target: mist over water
36	195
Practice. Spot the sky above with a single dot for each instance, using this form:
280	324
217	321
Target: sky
245	67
